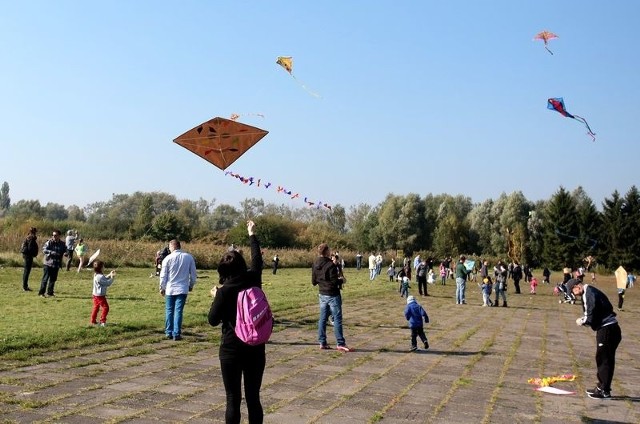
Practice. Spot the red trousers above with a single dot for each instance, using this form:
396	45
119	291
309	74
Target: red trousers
99	302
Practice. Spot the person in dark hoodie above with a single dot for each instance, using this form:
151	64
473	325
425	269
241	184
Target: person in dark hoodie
238	359
599	315
29	250
326	276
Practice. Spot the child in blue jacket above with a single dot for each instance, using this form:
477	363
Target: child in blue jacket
415	313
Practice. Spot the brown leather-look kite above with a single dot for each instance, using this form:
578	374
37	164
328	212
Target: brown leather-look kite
220	141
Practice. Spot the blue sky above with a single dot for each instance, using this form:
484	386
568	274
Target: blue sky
416	97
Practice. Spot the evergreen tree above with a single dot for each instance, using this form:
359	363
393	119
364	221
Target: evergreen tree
612	230
561	231
631	230
5	200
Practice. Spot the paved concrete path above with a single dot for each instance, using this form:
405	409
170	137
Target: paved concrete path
476	370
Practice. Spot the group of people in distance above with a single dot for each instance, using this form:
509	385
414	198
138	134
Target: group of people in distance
238	360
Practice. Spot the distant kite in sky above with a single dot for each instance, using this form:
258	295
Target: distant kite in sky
557	104
545	36
287	63
220	141
236	116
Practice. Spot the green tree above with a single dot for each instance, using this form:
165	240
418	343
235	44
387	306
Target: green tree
5	200
166	226
144	219
631	229
25	209
561	231
75	213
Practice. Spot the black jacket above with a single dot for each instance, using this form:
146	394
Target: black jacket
325	275
223	309
598	311
30	246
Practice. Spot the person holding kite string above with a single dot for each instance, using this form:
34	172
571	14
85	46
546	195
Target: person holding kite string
599	315
100	284
238	359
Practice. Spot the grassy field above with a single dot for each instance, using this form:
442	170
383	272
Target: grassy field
31	326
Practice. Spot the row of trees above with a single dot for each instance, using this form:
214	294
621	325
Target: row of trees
556	232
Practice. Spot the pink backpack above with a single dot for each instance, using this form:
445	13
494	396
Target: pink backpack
254	320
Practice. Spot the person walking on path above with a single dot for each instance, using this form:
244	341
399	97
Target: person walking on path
29	250
53	250
599	315
238	359
461	281
500	287
177	278
415	314
326	276
100	284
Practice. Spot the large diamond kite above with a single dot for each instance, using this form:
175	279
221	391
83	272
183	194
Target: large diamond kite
220	141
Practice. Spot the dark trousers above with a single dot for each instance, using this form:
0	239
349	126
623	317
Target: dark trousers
28	264
620	299
422	285
50	276
415	333
69	258
249	361
516	284
607	340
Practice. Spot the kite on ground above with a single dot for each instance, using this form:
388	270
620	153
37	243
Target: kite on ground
545	36
544	384
287	63
557	104
220	141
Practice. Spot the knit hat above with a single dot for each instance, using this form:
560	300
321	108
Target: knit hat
410	299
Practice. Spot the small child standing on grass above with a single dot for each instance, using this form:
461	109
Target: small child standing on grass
404	287
415	313
100	284
486	287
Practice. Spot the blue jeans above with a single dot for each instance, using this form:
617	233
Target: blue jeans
372	273
174	305
330	305
461	285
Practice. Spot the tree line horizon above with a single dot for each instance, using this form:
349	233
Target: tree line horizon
557	232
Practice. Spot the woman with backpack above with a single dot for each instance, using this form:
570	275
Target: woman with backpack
237	358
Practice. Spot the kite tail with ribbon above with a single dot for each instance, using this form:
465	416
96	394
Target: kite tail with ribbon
584	121
306	88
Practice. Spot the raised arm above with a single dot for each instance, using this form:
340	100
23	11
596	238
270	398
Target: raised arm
256	255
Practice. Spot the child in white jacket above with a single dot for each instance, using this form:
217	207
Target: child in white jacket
100	284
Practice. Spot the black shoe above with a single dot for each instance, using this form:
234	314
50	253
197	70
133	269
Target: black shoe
27	289
414	348
592	391
599	394
426	345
